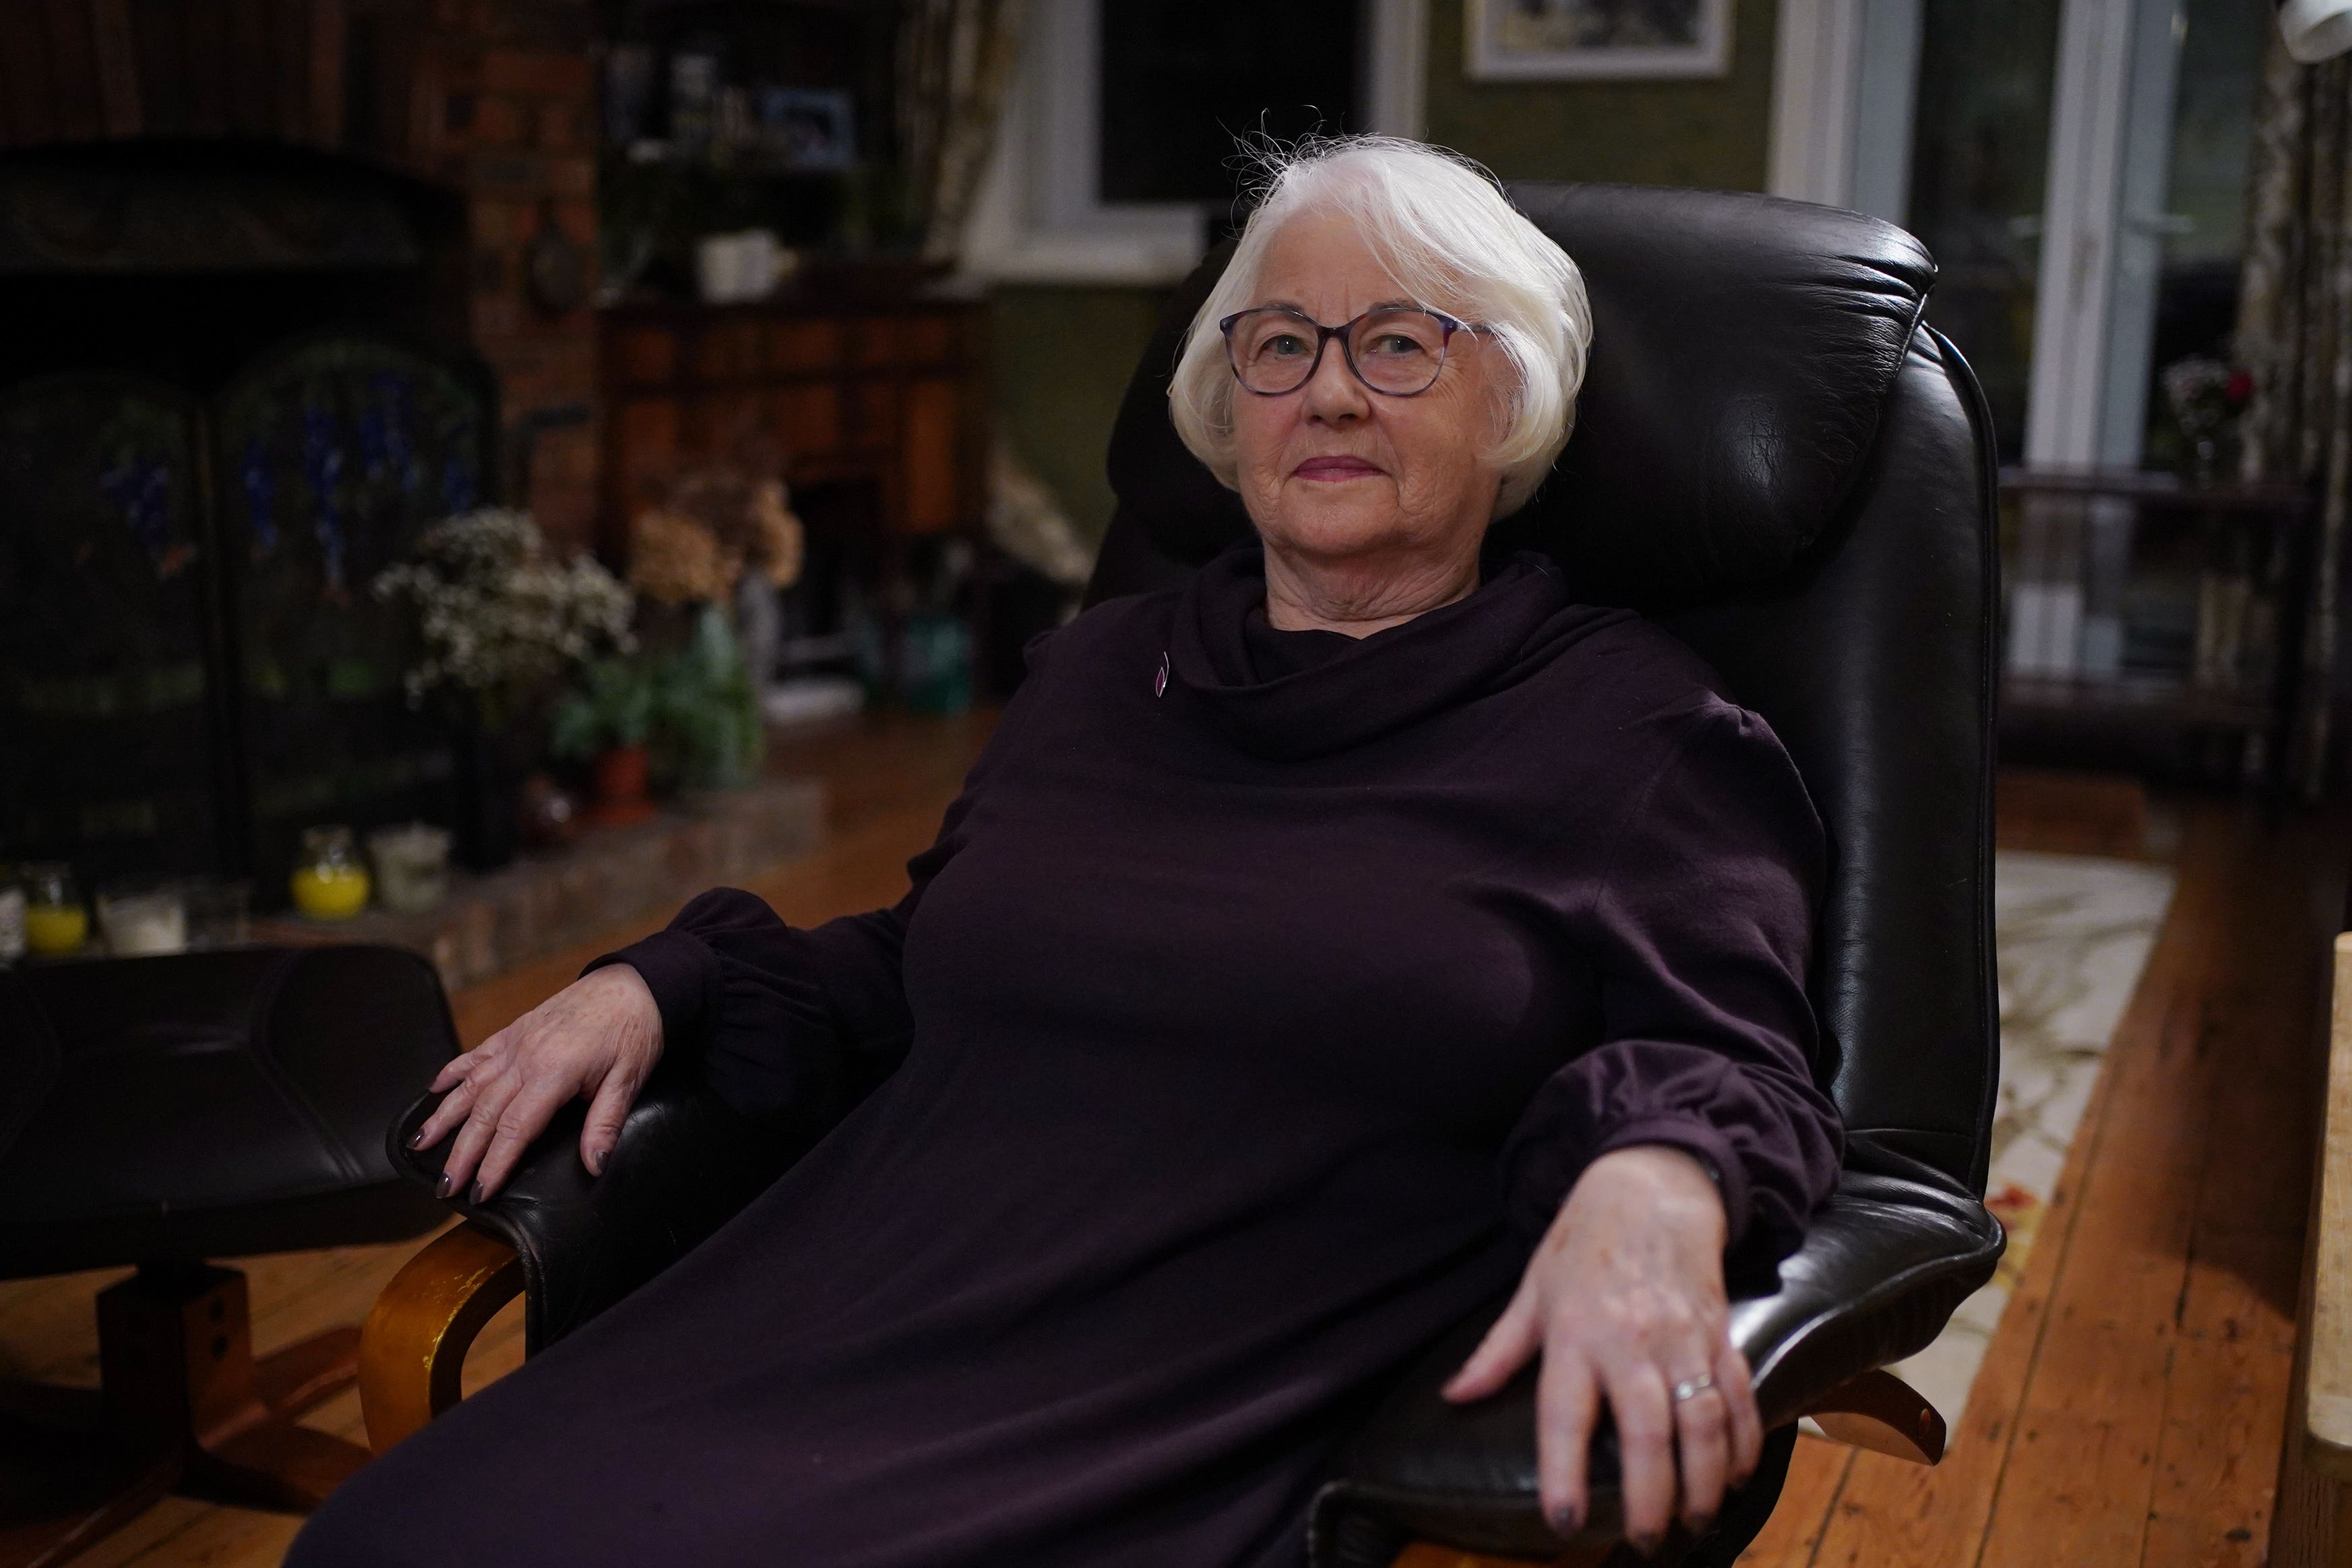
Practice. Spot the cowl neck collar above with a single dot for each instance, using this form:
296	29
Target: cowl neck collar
1374	686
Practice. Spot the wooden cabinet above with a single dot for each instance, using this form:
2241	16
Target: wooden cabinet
853	389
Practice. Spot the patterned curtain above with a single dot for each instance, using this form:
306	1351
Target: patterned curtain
955	57
2294	333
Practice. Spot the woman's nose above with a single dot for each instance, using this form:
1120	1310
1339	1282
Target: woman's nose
1333	394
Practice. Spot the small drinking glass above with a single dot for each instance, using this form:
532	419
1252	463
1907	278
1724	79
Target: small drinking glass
219	912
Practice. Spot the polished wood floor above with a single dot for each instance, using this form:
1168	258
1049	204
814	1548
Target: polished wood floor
2130	1409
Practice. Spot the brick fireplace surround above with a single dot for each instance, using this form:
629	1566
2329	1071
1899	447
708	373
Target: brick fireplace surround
490	100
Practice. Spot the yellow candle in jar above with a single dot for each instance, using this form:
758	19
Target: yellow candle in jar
331	892
53	929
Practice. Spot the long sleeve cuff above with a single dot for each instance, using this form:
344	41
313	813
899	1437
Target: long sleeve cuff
682	972
1771	1141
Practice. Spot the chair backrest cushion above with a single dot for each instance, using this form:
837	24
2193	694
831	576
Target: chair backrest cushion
1776	460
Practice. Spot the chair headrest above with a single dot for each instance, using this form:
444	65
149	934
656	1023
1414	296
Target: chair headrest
1742	348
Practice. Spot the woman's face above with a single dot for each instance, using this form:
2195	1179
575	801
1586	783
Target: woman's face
1336	469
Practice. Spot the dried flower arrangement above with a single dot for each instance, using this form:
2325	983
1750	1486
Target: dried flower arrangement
717	521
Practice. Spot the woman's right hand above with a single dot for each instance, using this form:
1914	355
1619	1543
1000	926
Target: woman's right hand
598	1037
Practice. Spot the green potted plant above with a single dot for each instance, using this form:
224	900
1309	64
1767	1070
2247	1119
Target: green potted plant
605	722
705	731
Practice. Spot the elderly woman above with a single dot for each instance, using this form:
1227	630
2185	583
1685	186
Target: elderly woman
1318	951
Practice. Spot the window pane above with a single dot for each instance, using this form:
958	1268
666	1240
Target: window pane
2222	45
1980	161
1180	78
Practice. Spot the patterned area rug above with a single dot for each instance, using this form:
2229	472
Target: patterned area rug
2073	933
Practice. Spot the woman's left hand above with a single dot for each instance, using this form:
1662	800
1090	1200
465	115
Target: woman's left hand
1624	1300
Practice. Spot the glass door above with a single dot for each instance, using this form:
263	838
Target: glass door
2196	228
1979	177
2078	168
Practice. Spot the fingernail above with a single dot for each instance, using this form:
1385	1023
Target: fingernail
596	1162
1647	1545
1702	1524
441	1187
416	1139
1567	1520
476	1194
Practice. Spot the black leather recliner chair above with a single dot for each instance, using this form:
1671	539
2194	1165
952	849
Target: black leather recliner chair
1780	462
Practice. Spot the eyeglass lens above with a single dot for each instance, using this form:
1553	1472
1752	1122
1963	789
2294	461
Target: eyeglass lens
1396	352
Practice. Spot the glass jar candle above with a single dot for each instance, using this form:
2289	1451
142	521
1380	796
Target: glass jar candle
140	918
56	923
12	916
411	866
329	881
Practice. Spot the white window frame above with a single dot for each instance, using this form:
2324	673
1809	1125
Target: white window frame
1845	78
2103	232
1038	216
1845	86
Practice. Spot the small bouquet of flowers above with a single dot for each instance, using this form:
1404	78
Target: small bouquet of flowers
2208	398
500	615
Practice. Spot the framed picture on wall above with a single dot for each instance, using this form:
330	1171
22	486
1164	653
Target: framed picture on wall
1580	40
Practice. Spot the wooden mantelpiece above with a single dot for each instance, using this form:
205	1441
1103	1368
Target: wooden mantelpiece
853	387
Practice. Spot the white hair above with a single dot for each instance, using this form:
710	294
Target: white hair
1451	240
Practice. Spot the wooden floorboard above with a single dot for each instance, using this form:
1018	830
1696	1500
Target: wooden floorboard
2130	1406
1817	1473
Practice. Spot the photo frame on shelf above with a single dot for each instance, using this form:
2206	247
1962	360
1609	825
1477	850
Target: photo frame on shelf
808	127
1596	40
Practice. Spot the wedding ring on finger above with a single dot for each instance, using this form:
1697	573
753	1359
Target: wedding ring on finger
1692	1387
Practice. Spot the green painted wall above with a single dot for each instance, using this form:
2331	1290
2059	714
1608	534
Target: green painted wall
1061	359
1710	133
1062	356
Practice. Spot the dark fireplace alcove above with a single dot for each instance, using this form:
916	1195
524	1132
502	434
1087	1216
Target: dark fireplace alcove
233	387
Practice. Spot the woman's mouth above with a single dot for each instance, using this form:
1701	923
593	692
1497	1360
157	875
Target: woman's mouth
1331	468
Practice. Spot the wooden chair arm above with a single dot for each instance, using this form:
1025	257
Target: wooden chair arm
413	1346
1880	1412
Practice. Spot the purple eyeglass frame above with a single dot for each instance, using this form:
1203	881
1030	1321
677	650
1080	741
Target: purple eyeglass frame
1324	336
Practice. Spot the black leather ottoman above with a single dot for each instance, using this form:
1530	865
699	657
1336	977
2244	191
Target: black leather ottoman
161	1112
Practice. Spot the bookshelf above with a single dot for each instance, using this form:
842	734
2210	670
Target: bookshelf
2145	618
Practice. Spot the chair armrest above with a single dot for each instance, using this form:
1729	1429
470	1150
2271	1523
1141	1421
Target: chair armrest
1882	1265
685	1164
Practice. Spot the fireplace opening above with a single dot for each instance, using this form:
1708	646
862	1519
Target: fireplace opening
234	388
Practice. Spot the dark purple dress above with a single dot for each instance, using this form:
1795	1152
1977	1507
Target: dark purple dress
1263	995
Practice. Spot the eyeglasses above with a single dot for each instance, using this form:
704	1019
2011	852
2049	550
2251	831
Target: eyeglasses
1395	349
